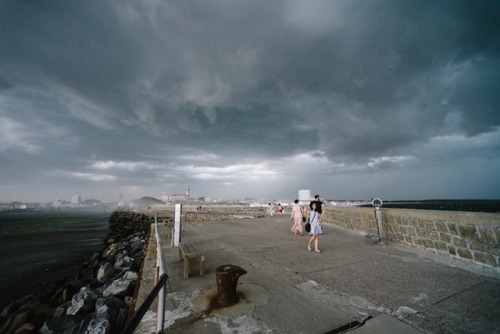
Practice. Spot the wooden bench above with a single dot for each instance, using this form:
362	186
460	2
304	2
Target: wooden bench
188	252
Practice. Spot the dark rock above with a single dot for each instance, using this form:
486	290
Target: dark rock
65	292
87	274
67	324
17	320
131	275
26	328
121	319
123	261
106	272
120	288
98	326
115	302
83	302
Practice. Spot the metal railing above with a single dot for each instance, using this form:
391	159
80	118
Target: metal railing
136	319
161	270
159	289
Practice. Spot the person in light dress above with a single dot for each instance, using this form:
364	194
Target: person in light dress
315	229
296	217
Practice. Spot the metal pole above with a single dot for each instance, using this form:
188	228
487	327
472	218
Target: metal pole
378	216
136	319
177	225
377	204
162	295
160	320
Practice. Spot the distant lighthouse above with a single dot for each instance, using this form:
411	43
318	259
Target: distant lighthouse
187	192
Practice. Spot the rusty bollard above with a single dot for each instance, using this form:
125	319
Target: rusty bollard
227	280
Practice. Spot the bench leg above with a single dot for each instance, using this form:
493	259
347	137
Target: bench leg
202	265
186	267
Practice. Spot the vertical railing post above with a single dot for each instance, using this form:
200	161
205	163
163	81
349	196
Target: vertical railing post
162	295
177	225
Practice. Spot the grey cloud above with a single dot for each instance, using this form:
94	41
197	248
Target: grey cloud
361	82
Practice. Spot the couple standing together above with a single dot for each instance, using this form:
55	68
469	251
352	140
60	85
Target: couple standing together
314	219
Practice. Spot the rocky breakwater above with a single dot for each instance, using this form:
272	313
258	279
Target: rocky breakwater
98	298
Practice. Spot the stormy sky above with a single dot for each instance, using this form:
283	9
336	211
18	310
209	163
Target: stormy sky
352	99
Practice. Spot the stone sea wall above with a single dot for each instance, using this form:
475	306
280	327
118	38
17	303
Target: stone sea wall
98	298
466	236
221	212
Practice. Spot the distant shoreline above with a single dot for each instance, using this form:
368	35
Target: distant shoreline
92	209
466	205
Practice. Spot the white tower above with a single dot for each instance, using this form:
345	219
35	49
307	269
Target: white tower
187	192
76	199
304	195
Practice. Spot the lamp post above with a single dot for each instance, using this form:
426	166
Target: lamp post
377	204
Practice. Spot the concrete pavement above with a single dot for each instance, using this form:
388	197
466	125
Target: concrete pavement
384	289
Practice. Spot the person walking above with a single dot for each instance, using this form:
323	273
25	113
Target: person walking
280	209
270	210
297	218
315	228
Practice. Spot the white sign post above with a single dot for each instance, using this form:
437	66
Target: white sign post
176	236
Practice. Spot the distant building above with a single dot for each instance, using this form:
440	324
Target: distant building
76	199
5	206
304	195
180	198
204	199
177	198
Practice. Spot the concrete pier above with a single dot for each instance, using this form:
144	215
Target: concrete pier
287	289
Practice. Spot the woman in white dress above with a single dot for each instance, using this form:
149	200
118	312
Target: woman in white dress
315	229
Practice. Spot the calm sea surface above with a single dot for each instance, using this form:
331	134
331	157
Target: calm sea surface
40	246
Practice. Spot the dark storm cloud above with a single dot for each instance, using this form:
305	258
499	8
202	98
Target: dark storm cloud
140	93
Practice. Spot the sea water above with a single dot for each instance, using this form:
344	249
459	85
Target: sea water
43	246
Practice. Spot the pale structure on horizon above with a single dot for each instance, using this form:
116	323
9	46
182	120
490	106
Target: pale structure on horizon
76	199
304	195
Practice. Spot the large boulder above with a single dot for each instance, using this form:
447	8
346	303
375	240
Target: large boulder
106	273
98	326
120	287
123	261
83	302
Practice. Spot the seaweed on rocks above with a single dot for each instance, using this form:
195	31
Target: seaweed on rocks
97	297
